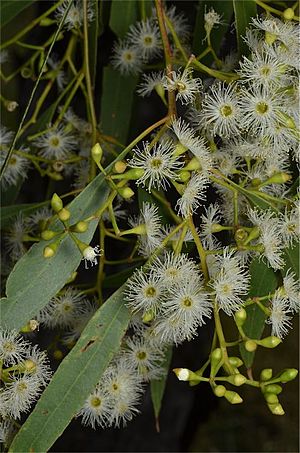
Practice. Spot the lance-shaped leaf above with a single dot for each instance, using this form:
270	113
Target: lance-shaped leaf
244	10
9	10
291	257
263	282
75	378
35	279
122	15
158	387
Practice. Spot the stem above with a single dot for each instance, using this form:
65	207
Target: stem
221	339
201	251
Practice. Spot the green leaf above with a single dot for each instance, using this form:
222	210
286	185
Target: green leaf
75	378
158	386
263	282
122	15
93	33
225	9
291	256
116	102
35	279
117	279
244	10
10	9
7	213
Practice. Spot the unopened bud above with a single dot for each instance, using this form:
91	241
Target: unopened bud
269	342
240	317
278	178
184	374
270	38
272	388
31	326
266	374
56	203
45	22
126	192
271	398
288	14
120	166
10	105
288	375
184	175
220	391
50	250
235	361
276	409
64	214
97	153
160	90
193	164
148	317
233	397
80	227
240	235
48	234
180	149
237	379
250	346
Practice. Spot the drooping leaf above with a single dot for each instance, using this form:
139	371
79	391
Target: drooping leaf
7	213
263	282
158	386
35	279
291	257
122	15
117	98
75	378
10	9
244	10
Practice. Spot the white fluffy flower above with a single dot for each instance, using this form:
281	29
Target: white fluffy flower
230	282
13	348
145	37
19	394
150	222
55	143
292	290
150	82
186	86
126	58
193	195
74	17
158	162
97	408
211	217
279	318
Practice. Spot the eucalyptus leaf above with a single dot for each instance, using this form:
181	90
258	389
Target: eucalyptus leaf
263	282
244	10
10	9
291	256
35	279
75	378
122	15
158	386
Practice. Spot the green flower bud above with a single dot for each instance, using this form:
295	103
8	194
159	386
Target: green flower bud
266	374
215	361
271	398
233	397
126	192
80	227
26	72
148	317
269	342
193	164
270	38
240	317
219	391
184	374
237	379
256	182
160	90
45	22
278	178
120	166
56	203
97	153
253	234
48	234
235	361
240	235
180	149
64	214
132	174
288	14
276	409
250	346
272	388
288	375
184	175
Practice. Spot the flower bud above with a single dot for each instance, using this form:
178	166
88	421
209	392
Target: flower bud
10	105
240	235
184	175
266	374
48	234
180	149
132	174
272	388
57	354
269	342
51	249
288	375
237	379
97	153
184	374
270	38
80	227
271	398
26	72
64	214
278	178
235	361
160	90
219	391
233	397
31	326
240	317
215	361
46	21
148	317
250	346
120	166
288	14
253	234
126	192
56	203
193	164
276	409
